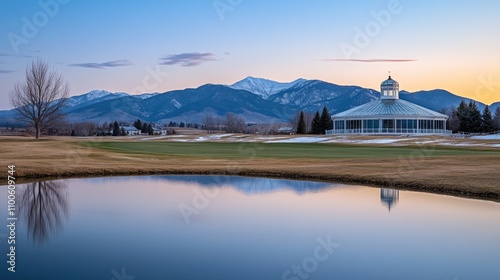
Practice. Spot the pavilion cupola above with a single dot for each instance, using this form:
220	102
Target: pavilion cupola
389	89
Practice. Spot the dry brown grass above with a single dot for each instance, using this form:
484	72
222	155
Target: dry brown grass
473	176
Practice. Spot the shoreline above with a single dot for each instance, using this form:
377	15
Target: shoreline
334	179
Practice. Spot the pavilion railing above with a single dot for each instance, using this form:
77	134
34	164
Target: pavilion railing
389	131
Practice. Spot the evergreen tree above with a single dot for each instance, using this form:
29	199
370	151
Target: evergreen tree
326	120
316	124
138	124
496	119
116	129
144	128
487	125
475	117
123	132
301	125
463	115
73	132
149	129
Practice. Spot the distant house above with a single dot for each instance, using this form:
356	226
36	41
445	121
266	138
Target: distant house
285	130
131	130
159	131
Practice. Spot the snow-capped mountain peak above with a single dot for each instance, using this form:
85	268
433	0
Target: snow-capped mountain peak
263	87
93	95
145	95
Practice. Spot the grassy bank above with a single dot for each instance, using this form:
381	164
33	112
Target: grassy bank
281	150
461	171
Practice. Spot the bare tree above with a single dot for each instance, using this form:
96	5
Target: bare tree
453	122
234	123
40	98
85	128
210	123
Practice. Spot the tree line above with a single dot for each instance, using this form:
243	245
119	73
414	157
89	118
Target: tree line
113	129
231	123
318	124
468	118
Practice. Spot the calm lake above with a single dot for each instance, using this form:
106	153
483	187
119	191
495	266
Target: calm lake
217	227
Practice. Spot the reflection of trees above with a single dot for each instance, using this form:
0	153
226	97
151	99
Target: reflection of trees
44	206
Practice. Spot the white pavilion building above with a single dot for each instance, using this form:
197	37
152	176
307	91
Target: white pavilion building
389	115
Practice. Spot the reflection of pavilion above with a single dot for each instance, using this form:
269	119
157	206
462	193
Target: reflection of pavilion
389	197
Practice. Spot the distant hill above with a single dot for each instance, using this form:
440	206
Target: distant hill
315	94
256	100
189	105
435	99
494	106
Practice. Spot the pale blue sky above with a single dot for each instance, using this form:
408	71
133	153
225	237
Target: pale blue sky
119	45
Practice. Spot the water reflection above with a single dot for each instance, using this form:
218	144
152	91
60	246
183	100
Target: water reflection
389	198
252	185
132	225
43	206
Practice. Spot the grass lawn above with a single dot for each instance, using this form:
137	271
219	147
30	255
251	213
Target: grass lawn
282	150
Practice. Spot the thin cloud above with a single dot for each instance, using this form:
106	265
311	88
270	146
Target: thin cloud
187	59
15	55
368	60
104	65
6	71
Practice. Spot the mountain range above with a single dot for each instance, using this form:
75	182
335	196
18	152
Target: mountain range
257	100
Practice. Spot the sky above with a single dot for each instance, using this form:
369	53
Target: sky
157	46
